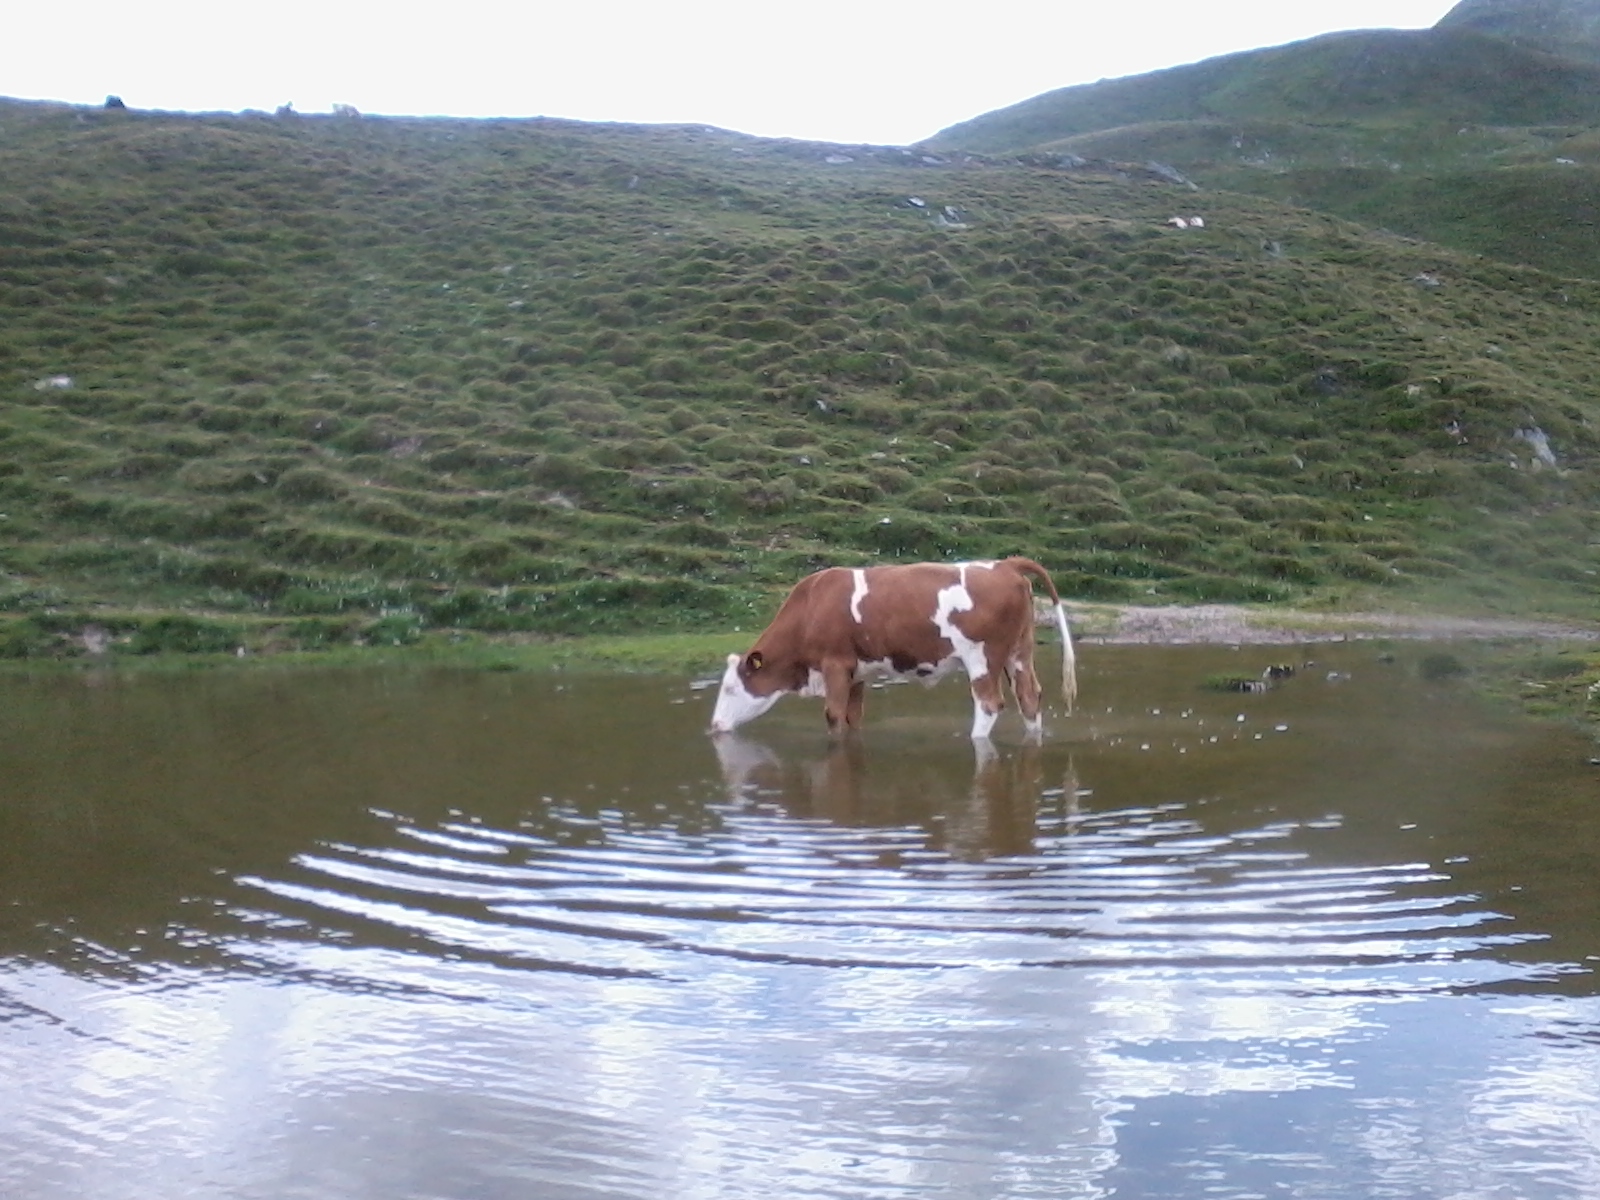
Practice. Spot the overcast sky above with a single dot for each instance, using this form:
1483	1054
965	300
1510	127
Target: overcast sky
834	70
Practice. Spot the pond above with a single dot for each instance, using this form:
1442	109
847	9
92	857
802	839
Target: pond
458	934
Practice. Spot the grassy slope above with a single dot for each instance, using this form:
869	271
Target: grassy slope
368	376
1445	134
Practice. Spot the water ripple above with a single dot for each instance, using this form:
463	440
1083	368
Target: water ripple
1139	887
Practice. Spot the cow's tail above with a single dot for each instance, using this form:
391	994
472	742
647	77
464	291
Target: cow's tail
1069	660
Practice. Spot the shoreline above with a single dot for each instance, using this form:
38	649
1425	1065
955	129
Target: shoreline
1229	625
1548	668
215	640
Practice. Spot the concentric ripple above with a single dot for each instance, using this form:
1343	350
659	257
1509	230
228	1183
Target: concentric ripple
1139	887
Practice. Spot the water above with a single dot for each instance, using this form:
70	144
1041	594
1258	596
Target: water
446	934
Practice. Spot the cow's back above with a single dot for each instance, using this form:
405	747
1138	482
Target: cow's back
898	610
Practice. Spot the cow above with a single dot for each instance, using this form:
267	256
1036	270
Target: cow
846	626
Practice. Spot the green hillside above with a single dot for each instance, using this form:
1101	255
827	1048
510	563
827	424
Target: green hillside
334	378
1472	134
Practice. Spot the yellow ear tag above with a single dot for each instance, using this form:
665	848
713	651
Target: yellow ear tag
755	661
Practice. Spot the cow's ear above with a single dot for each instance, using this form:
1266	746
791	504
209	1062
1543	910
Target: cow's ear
753	661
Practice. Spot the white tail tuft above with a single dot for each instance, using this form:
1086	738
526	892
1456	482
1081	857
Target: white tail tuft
1069	660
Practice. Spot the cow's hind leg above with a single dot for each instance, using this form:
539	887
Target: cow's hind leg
987	701
854	704
1025	685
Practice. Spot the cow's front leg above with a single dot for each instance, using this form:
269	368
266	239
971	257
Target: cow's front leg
841	695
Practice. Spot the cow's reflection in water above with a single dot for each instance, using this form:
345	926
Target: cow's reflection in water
981	803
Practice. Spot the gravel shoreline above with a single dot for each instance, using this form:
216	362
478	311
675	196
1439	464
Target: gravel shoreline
1230	625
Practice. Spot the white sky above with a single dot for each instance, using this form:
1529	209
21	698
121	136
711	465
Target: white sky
833	70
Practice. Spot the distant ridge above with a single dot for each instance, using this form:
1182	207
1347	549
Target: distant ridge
1482	133
1440	74
1567	27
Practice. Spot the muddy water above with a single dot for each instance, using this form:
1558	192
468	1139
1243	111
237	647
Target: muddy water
471	935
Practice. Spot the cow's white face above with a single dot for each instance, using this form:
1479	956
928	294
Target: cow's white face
736	703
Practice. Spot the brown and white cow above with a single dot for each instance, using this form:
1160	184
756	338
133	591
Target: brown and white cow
843	627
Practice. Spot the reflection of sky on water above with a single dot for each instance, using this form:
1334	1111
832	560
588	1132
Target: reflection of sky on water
817	1080
838	980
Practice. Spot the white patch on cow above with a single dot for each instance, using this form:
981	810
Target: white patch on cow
858	594
735	703
815	685
952	600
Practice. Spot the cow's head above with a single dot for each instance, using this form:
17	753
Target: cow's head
750	686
